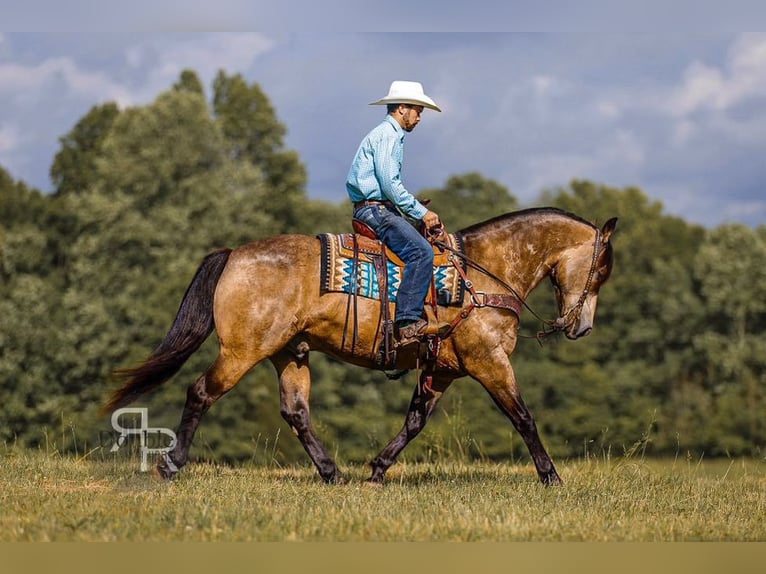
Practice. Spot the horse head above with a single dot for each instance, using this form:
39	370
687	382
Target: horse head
577	277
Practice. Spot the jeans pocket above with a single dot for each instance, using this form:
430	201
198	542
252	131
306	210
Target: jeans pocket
369	214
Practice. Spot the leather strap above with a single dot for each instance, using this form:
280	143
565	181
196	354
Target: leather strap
480	299
381	268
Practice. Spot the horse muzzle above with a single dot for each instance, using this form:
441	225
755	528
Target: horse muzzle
573	329
579	332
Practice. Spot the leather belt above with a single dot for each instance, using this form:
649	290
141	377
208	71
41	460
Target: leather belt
368	202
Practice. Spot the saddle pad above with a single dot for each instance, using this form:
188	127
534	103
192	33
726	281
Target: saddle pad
338	269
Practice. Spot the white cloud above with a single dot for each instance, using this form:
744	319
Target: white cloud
163	60
25	80
162	63
48	95
234	51
706	87
748	57
703	87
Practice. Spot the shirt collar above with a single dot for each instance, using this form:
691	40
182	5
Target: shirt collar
397	128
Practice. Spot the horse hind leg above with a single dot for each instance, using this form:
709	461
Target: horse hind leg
294	389
218	380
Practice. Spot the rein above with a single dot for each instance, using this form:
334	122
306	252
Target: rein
487	300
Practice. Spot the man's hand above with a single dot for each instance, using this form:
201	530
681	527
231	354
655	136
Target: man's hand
433	224
431	220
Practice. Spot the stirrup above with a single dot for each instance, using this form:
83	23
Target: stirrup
412	333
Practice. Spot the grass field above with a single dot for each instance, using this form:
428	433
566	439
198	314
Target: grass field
47	497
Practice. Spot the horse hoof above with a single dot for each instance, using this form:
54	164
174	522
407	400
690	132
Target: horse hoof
552	480
159	474
373	483
337	479
163	472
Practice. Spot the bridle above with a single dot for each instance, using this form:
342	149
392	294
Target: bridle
576	309
549	326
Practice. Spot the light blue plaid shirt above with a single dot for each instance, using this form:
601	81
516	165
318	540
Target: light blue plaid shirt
376	170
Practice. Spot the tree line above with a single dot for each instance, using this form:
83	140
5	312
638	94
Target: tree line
91	276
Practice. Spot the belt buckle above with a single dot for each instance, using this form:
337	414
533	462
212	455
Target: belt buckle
475	298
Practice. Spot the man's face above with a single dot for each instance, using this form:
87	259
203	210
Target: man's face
410	116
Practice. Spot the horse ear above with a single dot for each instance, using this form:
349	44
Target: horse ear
608	229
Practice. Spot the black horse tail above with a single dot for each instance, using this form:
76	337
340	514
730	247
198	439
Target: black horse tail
192	325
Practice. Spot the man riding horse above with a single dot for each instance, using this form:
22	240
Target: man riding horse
266	301
374	185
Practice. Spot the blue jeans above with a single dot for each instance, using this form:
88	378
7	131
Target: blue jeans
412	248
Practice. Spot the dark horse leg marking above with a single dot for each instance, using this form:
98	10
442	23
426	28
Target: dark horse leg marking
294	386
216	382
421	408
197	403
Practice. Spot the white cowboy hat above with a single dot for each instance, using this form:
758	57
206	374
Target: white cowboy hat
402	92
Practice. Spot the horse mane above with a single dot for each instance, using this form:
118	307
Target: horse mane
531	212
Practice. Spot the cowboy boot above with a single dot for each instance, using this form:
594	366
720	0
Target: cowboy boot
411	333
417	331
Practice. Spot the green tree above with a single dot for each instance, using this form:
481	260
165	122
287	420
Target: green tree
23	212
164	194
189	82
30	282
253	133
731	269
74	166
143	194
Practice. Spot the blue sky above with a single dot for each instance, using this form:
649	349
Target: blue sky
682	115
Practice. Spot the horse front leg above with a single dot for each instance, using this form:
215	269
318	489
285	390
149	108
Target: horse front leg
420	410
294	387
498	378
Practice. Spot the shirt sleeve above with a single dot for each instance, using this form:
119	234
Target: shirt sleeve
388	167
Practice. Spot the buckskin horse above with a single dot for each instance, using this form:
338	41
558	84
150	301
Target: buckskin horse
265	301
